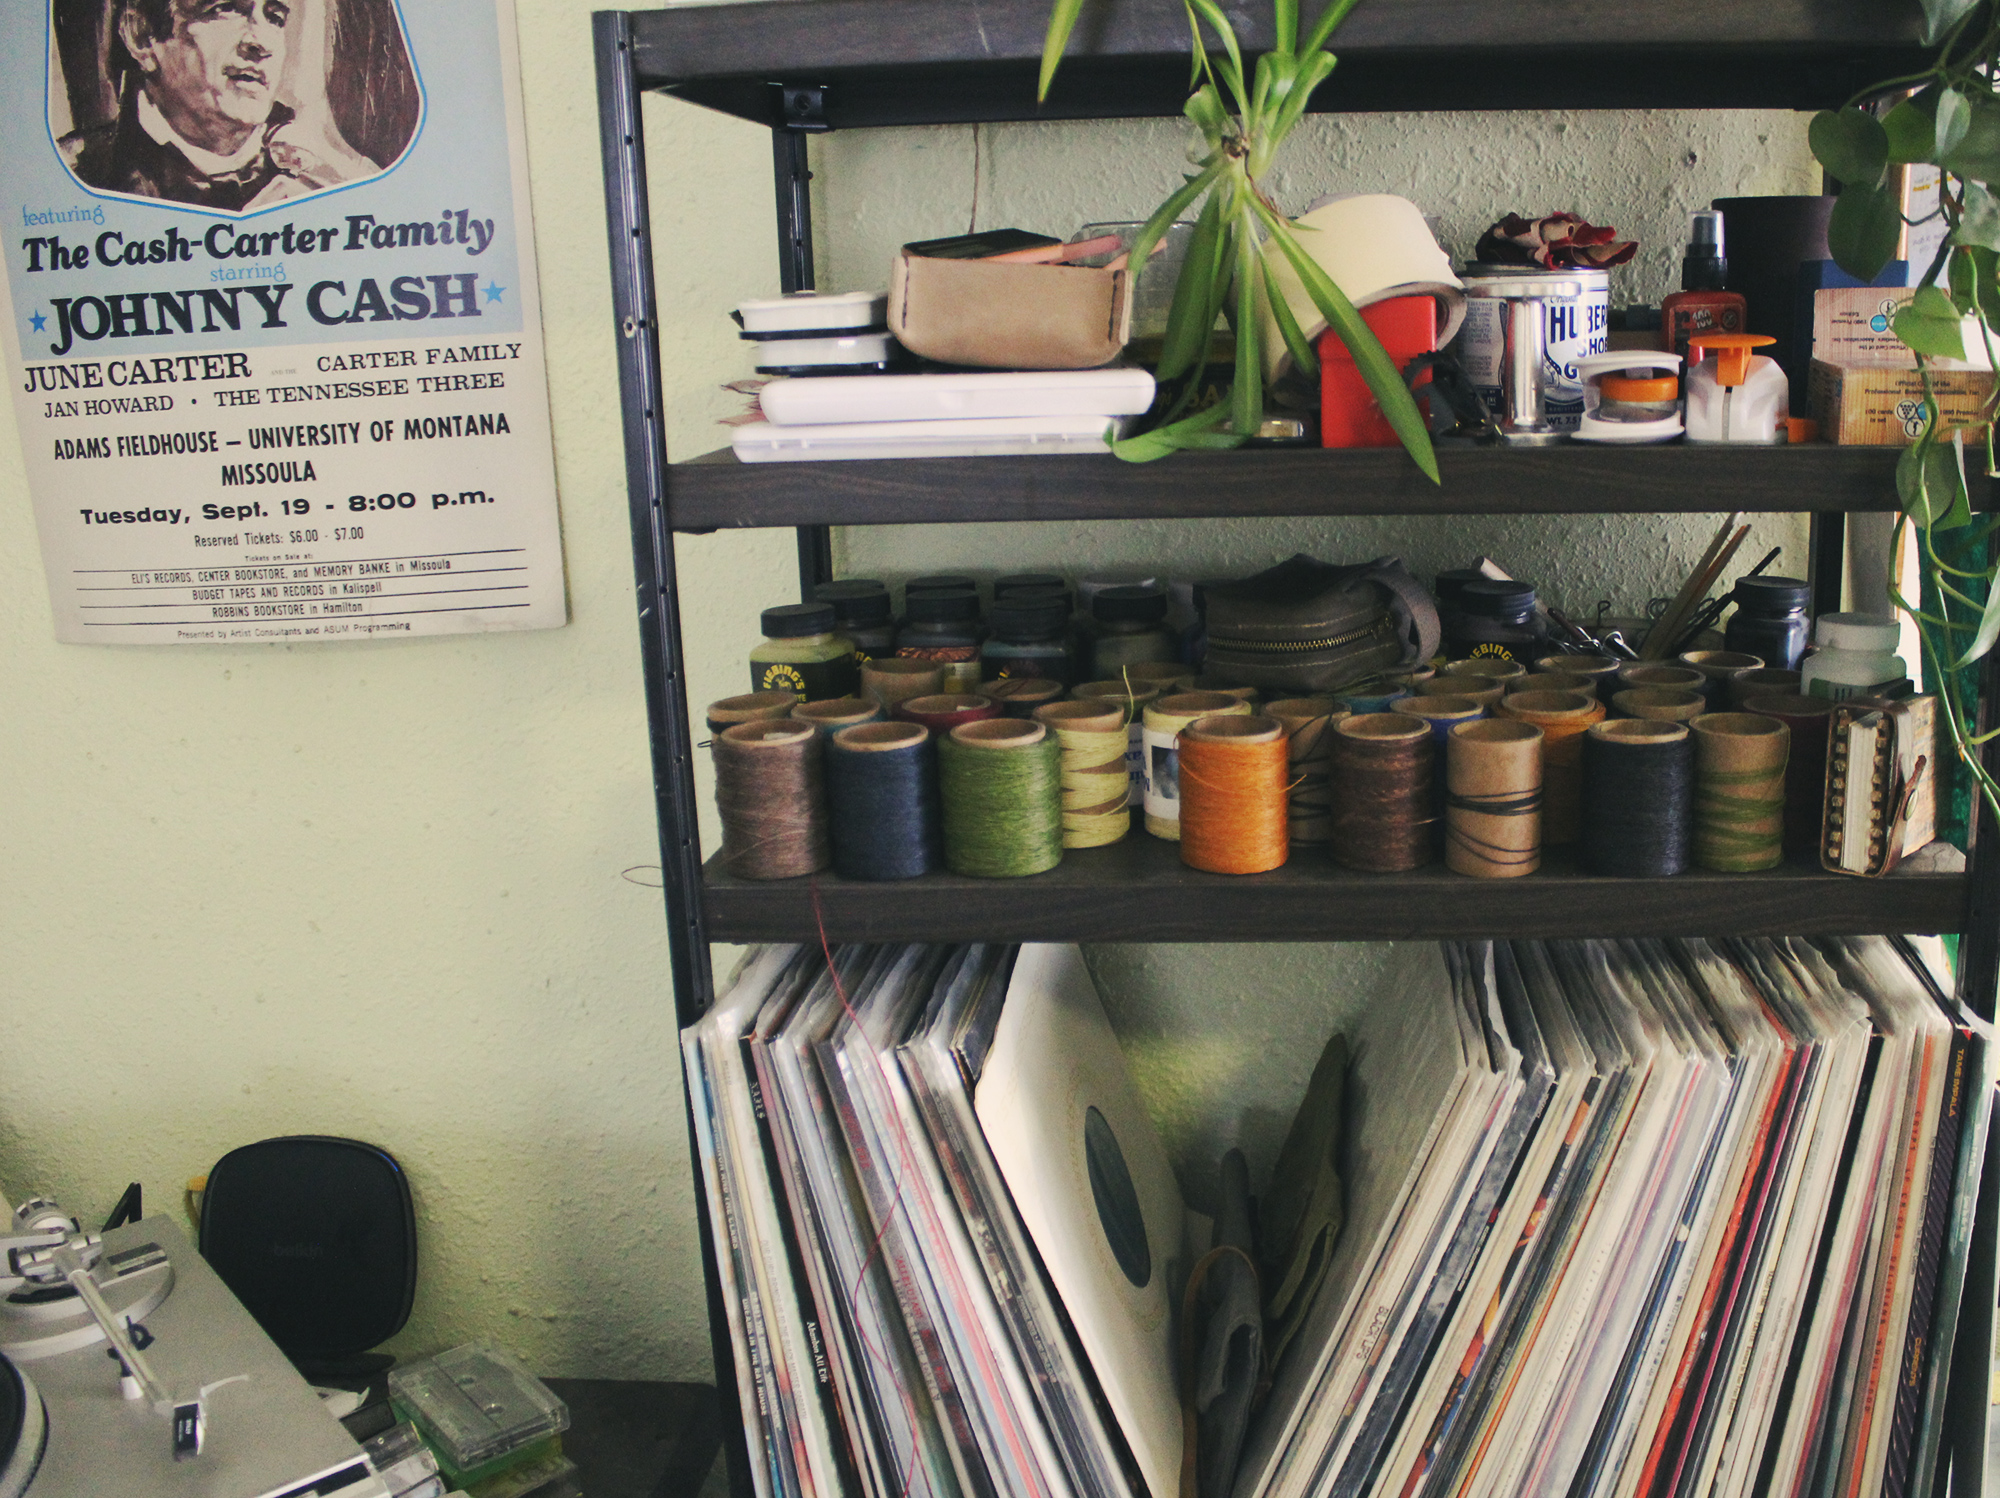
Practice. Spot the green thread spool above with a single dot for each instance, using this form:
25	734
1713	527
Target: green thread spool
1001	781
1739	791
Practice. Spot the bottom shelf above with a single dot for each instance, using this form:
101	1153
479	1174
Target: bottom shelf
1138	890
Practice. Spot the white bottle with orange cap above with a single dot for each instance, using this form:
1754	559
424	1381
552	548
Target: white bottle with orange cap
1734	395
1630	395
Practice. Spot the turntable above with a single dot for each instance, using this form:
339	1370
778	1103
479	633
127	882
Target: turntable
127	1366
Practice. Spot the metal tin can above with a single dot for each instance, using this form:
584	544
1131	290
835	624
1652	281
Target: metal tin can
1576	326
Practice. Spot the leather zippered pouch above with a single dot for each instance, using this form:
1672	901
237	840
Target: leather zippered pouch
1310	626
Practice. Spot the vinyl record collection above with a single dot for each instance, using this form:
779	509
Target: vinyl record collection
1609	1220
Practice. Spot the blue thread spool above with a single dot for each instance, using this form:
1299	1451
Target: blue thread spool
882	800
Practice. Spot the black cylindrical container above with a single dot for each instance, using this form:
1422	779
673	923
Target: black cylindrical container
1493	618
943	626
1129	626
1770	620
940	582
1028	635
862	612
1452	582
1027	582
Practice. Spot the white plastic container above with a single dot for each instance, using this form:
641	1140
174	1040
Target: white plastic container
1856	656
1733	395
764	442
813	313
1619	416
835	400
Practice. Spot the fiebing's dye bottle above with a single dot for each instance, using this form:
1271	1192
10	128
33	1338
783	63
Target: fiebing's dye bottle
802	653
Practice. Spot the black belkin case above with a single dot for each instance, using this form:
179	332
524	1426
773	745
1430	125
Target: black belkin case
317	1237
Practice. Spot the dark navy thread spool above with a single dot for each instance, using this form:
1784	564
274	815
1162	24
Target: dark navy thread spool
882	800
1638	797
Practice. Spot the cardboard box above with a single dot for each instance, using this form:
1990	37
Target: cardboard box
1878	405
1005	315
1851	326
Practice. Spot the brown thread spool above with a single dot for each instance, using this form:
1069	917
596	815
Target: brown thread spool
1811	721
751	707
891	680
771	793
1162	676
1483	690
1554	681
1308	724
831	714
1382	805
1224	686
1163	722
1673	678
1739	791
1232	781
1496	666
1599	668
1762	681
1661	704
946	710
1019	696
1493	798
1562	718
1096	783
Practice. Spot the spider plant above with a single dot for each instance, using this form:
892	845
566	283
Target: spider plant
1244	116
1952	122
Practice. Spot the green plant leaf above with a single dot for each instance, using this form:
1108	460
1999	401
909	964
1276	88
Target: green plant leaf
1313	71
1303	357
1062	21
1851	144
1378	370
1941	15
1232	68
1329	19
1285	25
1165	217
1978	219
1979	268
1863	229
1205	107
1912	134
1191	318
1246	391
1196	431
1929	323
1977	155
1988	632
1953	119
1928	481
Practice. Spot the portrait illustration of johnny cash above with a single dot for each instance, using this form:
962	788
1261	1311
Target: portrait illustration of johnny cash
230	106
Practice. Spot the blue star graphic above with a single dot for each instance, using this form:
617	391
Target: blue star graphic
38	322
493	292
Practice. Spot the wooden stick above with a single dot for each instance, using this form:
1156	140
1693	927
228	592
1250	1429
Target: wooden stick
1665	629
1705	582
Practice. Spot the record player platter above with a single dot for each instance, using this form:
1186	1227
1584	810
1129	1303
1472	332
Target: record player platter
24	1431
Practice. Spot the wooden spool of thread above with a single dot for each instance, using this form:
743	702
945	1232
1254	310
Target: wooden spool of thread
1496	666
1661	704
1382	802
1372	696
1811	721
1562	718
770	789
1739	791
946	710
1716	668
1638	797
892	680
1599	668
1553	681
831	714
1493	798
1762	681
751	707
1483	690
1443	713
1096	785
1000	781
882	801
1233	776
1019	696
1161	676
1308	724
1164	721
1673	678
1132	698
1223	685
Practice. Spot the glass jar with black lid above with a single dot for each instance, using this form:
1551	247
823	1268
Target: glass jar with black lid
1027	634
1129	627
1770	620
1493	617
943	627
862	612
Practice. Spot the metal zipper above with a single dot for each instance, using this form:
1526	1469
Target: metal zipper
1294	647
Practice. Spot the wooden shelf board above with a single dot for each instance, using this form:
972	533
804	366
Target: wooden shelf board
906	62
1138	891
715	492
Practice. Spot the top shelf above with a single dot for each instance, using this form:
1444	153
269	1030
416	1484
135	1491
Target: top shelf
928	62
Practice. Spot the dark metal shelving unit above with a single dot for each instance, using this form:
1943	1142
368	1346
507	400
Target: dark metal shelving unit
800	66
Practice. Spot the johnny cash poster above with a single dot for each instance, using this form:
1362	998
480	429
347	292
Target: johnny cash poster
272	321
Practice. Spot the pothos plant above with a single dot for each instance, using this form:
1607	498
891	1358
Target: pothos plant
1244	115
1951	121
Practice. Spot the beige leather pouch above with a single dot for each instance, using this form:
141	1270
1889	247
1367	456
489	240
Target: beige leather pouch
1005	315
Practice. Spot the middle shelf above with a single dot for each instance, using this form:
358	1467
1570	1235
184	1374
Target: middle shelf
1138	890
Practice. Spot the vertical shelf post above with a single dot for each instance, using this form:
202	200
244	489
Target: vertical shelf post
800	113
634	308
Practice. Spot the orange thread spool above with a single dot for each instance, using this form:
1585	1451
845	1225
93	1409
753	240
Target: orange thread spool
1234	815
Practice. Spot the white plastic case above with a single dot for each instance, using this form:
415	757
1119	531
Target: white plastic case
761	442
827	400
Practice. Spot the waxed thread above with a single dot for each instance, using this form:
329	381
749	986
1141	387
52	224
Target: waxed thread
1726	819
1164	720
1002	799
1383	807
771	794
1638	792
882	802
1096	784
1233	786
1308	723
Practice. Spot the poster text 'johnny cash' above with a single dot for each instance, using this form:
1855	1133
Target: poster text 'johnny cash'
258	255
